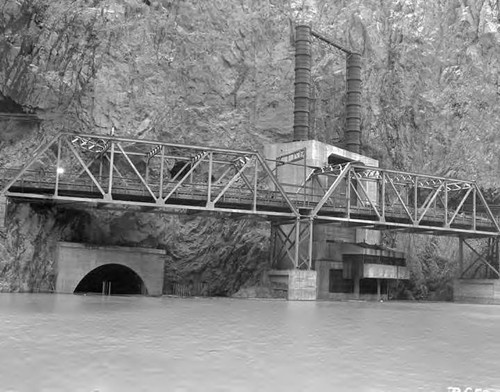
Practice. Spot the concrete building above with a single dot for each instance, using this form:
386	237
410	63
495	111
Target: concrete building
347	262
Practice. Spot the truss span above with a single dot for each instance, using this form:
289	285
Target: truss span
115	171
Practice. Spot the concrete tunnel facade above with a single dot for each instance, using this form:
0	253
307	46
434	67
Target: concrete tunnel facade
76	261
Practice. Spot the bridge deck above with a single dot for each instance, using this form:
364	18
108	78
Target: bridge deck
268	202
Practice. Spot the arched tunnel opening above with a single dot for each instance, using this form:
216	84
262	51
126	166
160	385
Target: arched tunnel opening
112	279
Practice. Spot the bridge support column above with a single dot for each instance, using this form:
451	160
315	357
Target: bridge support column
291	257
460	255
479	281
356	287
296	285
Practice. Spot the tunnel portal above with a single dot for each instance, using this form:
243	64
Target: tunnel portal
112	279
84	268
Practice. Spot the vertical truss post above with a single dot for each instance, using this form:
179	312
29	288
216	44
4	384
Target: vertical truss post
296	260
415	204
474	209
310	250
460	255
446	204
382	201
162	167
305	176
348	194
111	165
209	182
255	185
58	165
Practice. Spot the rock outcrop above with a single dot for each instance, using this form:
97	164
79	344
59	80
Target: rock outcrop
221	72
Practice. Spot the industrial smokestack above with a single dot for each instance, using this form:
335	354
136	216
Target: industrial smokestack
353	106
302	82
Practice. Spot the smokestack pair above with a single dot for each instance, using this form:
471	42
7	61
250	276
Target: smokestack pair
303	90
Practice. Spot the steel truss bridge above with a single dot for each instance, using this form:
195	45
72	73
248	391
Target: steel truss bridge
118	172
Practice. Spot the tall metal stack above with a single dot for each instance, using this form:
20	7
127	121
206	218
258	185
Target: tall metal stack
302	82
353	105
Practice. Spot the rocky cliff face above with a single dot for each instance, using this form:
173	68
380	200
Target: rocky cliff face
221	72
221	254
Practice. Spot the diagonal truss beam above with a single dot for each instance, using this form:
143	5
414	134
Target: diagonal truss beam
232	181
141	178
276	183
332	189
428	202
460	205
365	192
186	175
488	210
82	163
391	182
36	156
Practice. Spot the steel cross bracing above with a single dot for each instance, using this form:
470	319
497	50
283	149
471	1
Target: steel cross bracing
292	241
485	262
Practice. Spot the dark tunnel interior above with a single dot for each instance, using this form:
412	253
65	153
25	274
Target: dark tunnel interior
112	279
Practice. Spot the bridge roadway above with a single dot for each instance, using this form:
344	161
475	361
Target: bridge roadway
252	188
269	204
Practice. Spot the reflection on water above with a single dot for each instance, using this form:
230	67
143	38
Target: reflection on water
91	343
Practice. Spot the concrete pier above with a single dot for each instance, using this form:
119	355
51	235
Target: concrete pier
480	291
299	285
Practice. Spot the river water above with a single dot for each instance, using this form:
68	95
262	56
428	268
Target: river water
90	343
